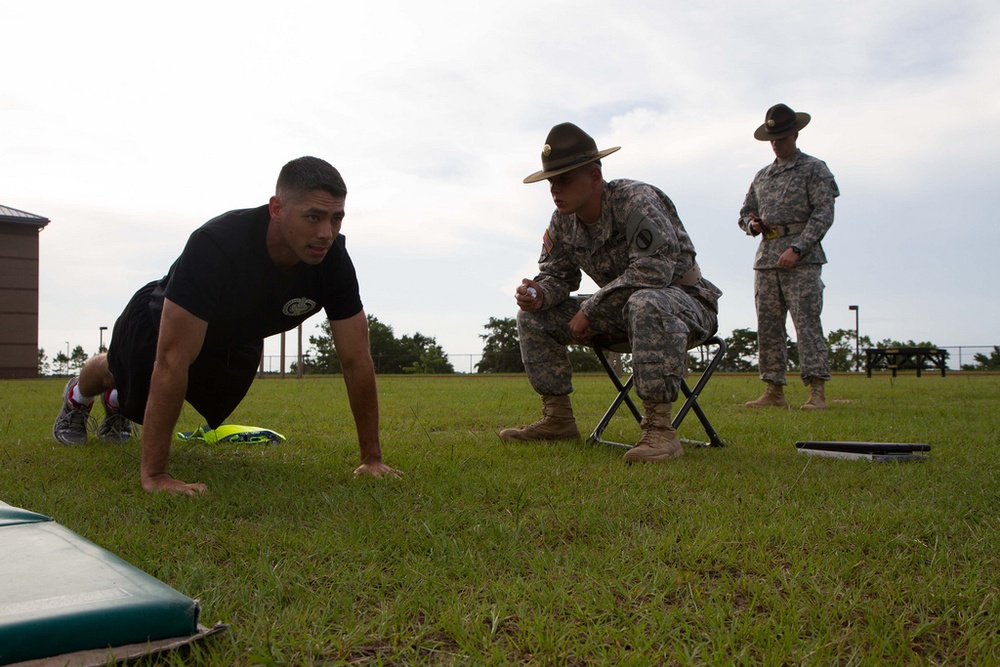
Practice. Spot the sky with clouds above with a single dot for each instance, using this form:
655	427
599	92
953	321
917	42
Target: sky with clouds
129	124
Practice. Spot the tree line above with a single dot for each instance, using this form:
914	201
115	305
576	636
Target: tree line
61	364
847	352
421	354
502	352
416	354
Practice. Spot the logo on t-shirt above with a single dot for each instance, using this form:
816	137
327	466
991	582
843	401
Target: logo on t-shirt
299	306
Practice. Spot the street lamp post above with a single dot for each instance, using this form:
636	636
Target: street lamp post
100	348
857	337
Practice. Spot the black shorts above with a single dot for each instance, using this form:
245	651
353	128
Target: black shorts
218	379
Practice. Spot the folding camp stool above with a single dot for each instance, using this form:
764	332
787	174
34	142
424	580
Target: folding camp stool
604	344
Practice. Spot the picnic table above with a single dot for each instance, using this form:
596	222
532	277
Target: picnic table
902	358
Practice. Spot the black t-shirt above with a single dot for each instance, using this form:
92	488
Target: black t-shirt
226	277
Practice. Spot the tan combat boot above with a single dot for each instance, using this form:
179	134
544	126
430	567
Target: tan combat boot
659	440
557	423
817	395
773	397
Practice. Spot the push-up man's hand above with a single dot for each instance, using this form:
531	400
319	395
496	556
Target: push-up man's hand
376	469
164	482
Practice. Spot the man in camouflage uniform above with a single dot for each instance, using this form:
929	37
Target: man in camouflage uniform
790	205
627	237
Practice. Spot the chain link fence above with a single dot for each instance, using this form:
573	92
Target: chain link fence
958	356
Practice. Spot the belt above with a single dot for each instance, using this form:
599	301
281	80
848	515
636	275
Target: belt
774	231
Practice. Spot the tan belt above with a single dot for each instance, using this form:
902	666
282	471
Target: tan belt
689	277
774	231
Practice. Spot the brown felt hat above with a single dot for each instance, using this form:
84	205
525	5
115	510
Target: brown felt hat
567	147
780	122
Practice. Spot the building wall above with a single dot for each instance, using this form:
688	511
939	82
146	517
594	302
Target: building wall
18	301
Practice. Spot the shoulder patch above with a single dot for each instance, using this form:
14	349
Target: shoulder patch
643	234
546	245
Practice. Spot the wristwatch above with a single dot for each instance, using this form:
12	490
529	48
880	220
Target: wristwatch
796	250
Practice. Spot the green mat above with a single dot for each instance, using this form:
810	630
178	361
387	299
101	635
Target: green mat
60	593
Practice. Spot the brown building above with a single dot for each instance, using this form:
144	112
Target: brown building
19	292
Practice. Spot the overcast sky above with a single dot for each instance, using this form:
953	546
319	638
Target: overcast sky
129	124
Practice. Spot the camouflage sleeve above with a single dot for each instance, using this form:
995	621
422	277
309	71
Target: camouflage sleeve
749	207
558	273
654	251
821	190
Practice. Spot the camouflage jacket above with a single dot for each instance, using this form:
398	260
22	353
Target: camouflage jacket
799	191
638	243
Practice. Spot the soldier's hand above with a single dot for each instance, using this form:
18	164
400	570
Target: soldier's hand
788	259
579	327
529	295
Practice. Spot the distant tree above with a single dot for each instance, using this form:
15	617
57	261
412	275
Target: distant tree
792	348
696	364
985	363
429	357
43	362
322	358
741	352
843	350
410	354
386	350
699	358
888	343
583	359
502	350
77	359
60	364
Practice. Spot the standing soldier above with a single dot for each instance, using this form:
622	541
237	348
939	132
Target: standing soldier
790	205
626	235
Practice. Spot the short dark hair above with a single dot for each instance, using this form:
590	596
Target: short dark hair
308	173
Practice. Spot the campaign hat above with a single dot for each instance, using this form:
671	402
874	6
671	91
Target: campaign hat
781	122
567	147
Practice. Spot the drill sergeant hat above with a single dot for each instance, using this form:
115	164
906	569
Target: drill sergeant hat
781	122
567	147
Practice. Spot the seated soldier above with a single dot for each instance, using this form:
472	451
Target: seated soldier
628	238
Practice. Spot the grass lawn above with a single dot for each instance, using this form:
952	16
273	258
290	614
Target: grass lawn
488	552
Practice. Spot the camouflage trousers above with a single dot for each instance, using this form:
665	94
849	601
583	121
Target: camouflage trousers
799	292
661	324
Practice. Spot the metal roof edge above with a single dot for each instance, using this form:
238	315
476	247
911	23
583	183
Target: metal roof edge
17	216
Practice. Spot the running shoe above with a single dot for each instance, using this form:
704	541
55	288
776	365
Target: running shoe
116	427
71	424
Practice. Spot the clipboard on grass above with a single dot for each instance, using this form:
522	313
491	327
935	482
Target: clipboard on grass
870	451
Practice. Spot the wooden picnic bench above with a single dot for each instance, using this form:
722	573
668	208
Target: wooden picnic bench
902	358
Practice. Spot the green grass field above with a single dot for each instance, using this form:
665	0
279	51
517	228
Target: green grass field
487	552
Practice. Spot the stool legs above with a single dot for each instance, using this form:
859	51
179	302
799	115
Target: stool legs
690	404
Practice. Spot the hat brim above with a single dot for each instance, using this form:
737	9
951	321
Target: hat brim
801	120
542	175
